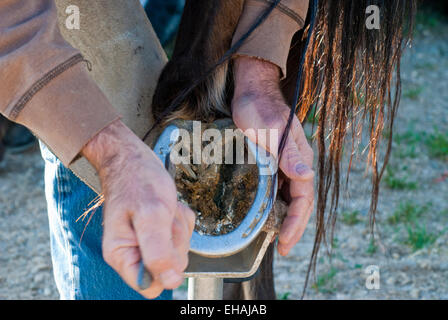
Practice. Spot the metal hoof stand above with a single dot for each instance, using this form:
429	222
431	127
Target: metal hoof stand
238	253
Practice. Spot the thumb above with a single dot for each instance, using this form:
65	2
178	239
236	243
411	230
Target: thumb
293	164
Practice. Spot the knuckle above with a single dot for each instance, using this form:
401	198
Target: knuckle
160	207
153	211
291	152
162	260
310	200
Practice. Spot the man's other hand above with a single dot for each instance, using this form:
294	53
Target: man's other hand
258	103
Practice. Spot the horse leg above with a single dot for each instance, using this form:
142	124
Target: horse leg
205	34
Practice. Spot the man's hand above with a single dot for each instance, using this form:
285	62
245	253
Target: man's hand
142	217
258	104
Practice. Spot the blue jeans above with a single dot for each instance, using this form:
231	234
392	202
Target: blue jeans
79	269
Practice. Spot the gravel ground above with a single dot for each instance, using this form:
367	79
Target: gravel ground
412	202
414	198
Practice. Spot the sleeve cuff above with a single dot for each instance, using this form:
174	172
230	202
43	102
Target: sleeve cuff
271	41
68	112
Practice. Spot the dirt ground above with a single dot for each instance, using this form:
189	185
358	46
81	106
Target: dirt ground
410	251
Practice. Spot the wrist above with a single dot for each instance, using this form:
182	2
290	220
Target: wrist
257	84
252	74
110	148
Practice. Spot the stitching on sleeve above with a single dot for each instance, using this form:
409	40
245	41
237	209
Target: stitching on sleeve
289	12
37	86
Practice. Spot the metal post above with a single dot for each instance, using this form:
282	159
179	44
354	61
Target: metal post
205	288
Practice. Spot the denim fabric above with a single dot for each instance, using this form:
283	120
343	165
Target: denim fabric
79	269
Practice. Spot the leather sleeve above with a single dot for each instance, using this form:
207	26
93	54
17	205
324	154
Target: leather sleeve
271	41
44	83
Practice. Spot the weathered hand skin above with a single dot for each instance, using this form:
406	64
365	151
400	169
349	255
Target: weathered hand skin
258	103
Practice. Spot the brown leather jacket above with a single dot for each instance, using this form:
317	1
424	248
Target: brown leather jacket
44	85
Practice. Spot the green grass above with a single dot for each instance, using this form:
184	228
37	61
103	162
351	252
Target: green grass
413	92
395	182
407	212
426	66
284	296
418	237
406	151
325	283
335	243
351	218
437	144
427	18
410	137
406	143
372	248
340	257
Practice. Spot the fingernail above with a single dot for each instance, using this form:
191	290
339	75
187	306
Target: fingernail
302	169
144	278
170	278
